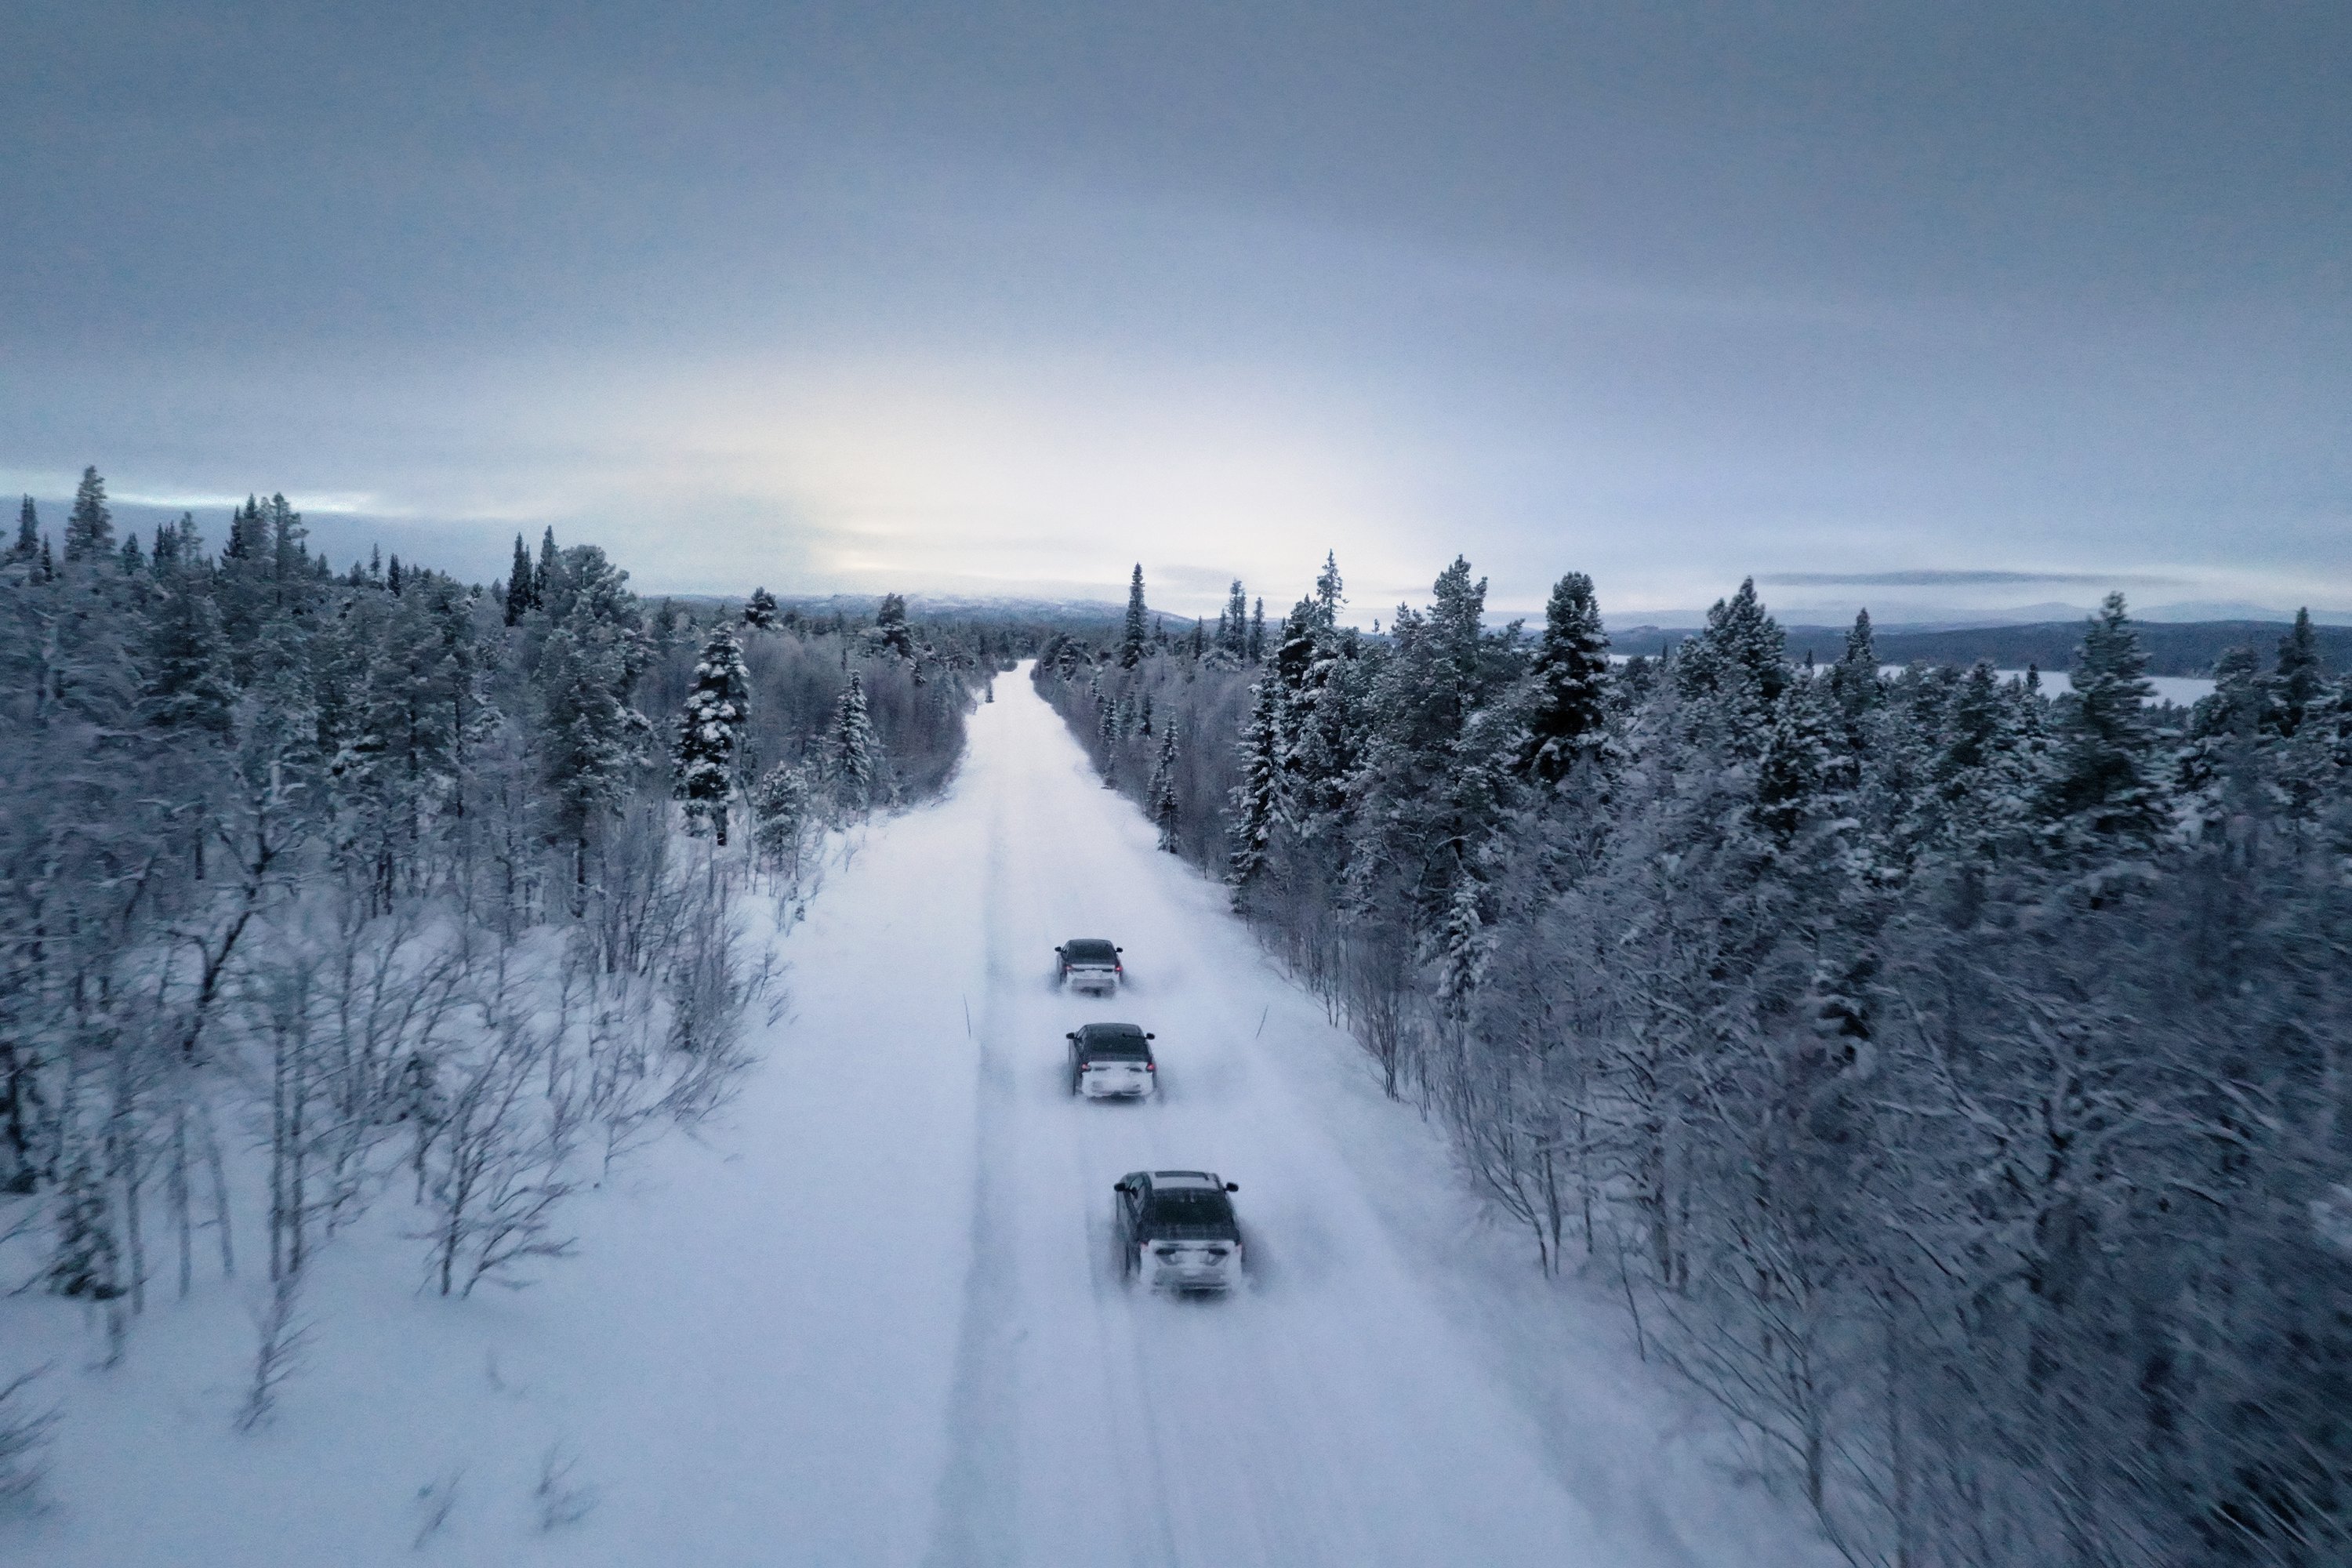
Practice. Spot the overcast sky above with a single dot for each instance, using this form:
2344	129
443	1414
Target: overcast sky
1930	305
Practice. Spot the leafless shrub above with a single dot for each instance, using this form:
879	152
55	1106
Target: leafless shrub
561	1499
24	1430
437	1500
282	1340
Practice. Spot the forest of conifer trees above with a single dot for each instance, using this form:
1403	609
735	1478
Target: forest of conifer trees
320	889
1950	1080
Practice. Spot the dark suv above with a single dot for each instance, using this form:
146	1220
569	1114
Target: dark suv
1177	1229
1108	1059
1088	963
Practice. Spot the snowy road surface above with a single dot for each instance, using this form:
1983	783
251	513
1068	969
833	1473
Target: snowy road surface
874	1317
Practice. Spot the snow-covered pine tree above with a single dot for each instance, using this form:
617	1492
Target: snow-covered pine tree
2105	784
1255	652
1107	735
28	531
1257	799
853	750
1974	787
760	610
1800	772
290	554
1161	802
781	813
1330	593
1855	682
2299	678
890	633
708	753
1132	633
189	684
519	600
546	571
1738	664
1233	622
90	527
589	739
1568	682
1462	946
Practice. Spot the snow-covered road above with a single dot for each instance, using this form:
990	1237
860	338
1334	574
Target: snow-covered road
873	1318
1345	1409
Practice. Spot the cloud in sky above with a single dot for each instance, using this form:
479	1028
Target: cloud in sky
1930	578
974	298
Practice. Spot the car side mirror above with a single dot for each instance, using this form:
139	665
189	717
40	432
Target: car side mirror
1232	1186
1149	1036
1071	1035
1119	1187
1057	951
1119	949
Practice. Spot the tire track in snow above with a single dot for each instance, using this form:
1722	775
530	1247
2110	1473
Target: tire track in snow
975	1522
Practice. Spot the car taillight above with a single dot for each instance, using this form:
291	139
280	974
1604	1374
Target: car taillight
1151	1066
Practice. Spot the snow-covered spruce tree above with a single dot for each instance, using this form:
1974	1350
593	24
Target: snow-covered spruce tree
1738	665
1257	799
1568	682
2299	678
2106	788
590	740
27	545
890	635
545	573
1854	681
188	683
1233	622
706	758
1162	804
518	599
760	610
781	813
1133	635
854	752
90	527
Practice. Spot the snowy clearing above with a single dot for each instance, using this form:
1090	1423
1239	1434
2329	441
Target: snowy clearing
874	1317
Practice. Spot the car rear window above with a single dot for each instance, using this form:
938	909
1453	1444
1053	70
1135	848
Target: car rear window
1121	1047
1090	953
1204	1205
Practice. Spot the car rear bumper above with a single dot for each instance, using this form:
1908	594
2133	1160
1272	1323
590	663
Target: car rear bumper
1115	1086
1192	1270
1101	982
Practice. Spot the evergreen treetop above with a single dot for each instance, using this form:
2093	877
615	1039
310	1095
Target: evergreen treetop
90	527
1132	634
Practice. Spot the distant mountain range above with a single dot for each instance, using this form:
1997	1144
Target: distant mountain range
2174	648
1072	613
1946	618
2179	640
